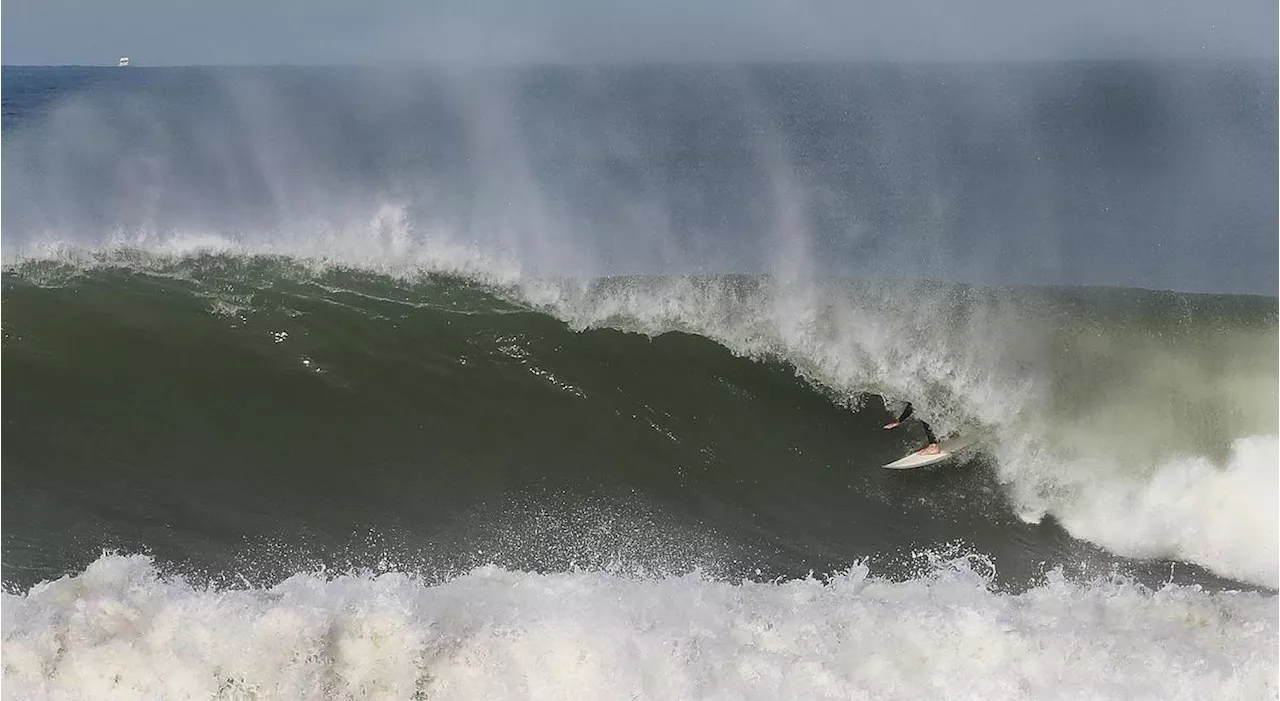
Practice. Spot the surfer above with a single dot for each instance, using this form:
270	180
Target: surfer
932	448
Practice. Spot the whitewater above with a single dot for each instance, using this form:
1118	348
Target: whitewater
121	630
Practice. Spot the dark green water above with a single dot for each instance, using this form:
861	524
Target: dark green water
256	416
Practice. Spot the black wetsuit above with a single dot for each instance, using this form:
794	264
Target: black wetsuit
927	431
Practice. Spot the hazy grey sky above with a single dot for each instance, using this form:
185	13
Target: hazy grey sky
156	32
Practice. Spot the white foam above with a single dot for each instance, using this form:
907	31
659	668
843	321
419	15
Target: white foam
380	238
120	631
1224	518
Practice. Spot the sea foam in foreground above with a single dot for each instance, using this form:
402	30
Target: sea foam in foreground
122	630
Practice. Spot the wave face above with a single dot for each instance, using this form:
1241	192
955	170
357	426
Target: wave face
377	370
260	398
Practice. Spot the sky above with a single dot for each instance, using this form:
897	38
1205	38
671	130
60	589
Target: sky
234	32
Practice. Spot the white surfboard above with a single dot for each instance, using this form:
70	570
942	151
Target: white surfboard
947	449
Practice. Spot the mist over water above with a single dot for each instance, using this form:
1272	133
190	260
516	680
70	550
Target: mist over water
488	340
1126	174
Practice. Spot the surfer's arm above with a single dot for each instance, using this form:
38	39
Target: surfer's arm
898	421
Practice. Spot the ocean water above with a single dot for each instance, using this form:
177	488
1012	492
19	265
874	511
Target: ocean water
569	383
